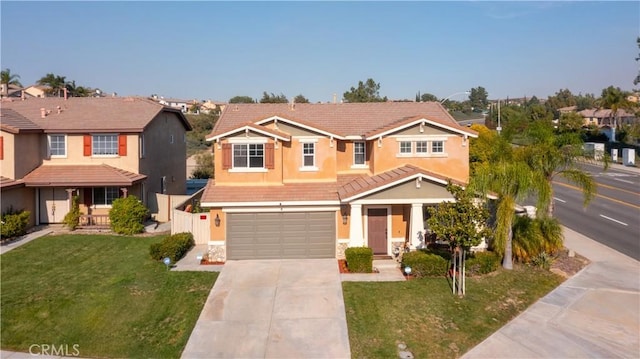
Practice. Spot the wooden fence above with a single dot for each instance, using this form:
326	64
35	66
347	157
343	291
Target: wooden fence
199	224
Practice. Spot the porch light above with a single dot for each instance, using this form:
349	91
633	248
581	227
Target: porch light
344	217
217	220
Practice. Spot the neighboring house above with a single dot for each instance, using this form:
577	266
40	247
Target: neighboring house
212	106
10	90
606	117
37	91
310	180
96	148
182	105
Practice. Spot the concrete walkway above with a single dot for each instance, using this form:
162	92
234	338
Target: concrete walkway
273	309
594	314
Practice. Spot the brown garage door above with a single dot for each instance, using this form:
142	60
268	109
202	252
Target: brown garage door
281	235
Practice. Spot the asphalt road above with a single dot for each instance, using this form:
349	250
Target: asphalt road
612	217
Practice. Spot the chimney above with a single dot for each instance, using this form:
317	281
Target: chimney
59	109
65	93
43	112
334	98
22	96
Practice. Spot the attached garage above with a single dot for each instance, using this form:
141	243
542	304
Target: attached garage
279	235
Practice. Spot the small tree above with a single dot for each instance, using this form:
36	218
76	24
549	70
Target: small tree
462	224
204	166
127	215
368	91
72	218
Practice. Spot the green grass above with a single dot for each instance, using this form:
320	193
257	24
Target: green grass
429	319
103	293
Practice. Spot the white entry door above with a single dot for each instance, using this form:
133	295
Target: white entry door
54	205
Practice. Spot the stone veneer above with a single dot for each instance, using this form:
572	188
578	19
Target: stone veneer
217	253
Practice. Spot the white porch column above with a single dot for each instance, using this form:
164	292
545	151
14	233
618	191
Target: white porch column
416	227
355	228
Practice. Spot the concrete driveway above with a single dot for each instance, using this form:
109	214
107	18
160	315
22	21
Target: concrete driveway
273	309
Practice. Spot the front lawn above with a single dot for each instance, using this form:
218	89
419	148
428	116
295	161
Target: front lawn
430	320
101	293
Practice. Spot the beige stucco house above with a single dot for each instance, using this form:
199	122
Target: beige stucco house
310	180
96	148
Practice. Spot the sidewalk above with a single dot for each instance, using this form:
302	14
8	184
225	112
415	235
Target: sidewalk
594	314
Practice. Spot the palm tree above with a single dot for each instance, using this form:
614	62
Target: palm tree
76	91
9	79
55	83
553	155
510	180
615	99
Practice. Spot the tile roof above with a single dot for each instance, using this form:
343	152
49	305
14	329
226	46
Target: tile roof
345	119
346	186
6	183
13	122
290	192
362	184
80	175
82	114
603	113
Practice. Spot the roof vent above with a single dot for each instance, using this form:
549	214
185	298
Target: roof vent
43	112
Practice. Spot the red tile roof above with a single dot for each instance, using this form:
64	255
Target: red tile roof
344	119
82	114
80	175
6	183
14	122
362	184
346	186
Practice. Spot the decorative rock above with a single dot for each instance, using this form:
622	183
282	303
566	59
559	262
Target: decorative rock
571	253
405	354
402	346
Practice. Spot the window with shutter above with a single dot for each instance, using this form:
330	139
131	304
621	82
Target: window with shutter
226	156
87	145
122	145
269	158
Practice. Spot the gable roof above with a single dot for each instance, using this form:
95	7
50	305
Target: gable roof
343	119
80	175
354	188
254	128
97	114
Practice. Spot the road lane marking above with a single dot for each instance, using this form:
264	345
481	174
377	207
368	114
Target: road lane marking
601	196
559	200
621	180
614	220
616	188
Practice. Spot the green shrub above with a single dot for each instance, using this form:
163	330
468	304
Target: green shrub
14	223
542	260
127	215
425	264
359	259
174	247
534	236
480	263
72	218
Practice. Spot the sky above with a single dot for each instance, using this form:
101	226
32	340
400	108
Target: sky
215	50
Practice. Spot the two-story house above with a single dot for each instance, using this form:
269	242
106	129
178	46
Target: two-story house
98	149
310	180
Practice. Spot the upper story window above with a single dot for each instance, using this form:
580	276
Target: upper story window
405	147
437	147
308	154
105	145
359	153
418	147
248	155
57	145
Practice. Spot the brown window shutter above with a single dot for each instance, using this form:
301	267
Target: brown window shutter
122	145
1	147
88	197
226	156
269	156
87	145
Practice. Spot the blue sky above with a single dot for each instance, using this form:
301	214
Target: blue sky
217	50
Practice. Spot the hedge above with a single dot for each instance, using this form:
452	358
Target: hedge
359	259
425	264
14	223
174	247
482	263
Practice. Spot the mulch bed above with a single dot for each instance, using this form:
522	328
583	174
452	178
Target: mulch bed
342	265
567	266
207	262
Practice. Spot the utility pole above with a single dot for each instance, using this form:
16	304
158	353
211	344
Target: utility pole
499	128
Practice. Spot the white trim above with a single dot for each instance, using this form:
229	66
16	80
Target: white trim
278	209
397	240
343	241
216	243
354	138
428	138
406	179
418	122
360	167
402	201
298	124
308	169
313	167
364	153
248	170
246	140
307	139
246	129
270	204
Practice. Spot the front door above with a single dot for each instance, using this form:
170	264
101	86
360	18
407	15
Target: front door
54	204
377	230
